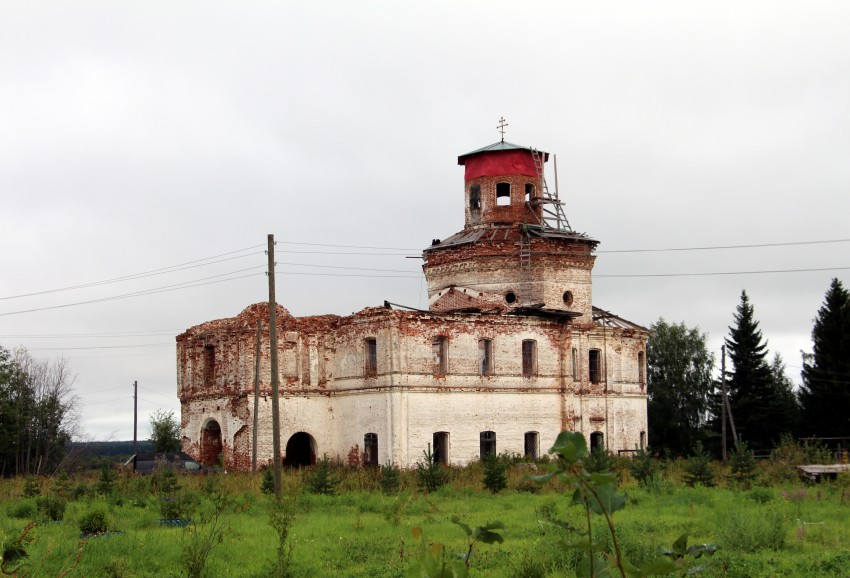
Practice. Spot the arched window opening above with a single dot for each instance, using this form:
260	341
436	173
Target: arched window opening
209	366
575	364
371	366
532	445
503	194
529	192
485	357
529	358
211	443
595	368
441	355
488	443
597	442
441	447
641	368
475	197
370	449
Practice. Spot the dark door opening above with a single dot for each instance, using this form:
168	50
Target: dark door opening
300	451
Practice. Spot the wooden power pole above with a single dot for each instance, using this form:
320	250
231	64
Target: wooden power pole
723	399
274	370
135	417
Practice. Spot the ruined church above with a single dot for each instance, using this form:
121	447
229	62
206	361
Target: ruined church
510	351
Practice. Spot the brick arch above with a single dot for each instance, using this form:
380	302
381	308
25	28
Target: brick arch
211	444
300	450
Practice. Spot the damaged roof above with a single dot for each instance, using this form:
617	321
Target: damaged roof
607	319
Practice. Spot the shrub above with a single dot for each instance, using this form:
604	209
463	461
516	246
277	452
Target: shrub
31	487
25	509
62	486
494	473
698	468
94	521
761	495
643	467
390	478
52	507
323	479
742	466
82	490
106	480
430	472
267	484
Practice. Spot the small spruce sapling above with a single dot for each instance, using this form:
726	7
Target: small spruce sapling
698	468
323	479
742	466
430	472
390	478
494	473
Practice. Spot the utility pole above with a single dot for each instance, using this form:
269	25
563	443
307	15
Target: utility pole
274	369
256	395
135	417
726	405
723	399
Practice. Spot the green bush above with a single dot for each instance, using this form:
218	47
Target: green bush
25	509
494	473
323	479
761	495
390	478
52	507
742	466
267	485
94	521
430	472
698	470
31	487
642	467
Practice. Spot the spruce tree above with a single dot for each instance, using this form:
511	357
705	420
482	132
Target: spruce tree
759	401
825	393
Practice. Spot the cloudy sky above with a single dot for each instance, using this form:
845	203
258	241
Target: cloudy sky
152	146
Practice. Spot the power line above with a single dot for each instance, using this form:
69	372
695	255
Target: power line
143	345
716	247
153	272
159	333
719	273
348	246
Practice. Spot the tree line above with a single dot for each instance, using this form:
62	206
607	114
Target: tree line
685	403
37	413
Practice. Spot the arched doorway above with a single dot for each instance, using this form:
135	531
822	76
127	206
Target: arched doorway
597	442
210	443
300	451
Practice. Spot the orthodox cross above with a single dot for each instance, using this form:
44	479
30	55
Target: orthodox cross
501	127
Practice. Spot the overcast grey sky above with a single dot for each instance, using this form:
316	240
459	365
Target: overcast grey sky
136	136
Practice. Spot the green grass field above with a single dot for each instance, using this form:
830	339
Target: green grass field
787	529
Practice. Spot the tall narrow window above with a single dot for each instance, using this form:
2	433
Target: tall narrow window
475	197
485	357
594	366
529	358
441	361
441	447
371	369
503	194
209	366
641	368
370	449
643	440
597	442
529	192
532	445
488	443
575	364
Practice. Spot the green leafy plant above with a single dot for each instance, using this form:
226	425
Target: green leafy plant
596	493
494	473
25	509
52	507
430	472
323	479
62	486
281	516
434	562
199	539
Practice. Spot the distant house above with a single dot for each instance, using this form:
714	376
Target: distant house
510	352
147	463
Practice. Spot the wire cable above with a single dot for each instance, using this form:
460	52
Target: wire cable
713	248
